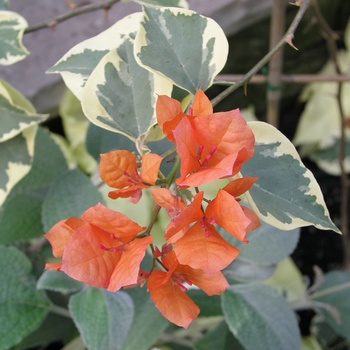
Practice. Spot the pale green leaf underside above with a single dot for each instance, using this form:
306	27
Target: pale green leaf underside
103	318
120	95
12	26
22	308
181	45
260	318
78	63
15	160
286	195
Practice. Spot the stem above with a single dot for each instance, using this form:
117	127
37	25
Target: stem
331	290
345	185
287	39
60	311
72	13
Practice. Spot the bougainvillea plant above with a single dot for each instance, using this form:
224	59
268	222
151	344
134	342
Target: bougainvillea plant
186	209
105	248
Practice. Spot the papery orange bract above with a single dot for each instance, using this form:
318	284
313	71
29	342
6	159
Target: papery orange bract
173	204
239	186
218	144
168	292
170	300
114	165
210	145
169	113
184	217
118	169
60	233
227	213
112	222
201	104
203	248
99	249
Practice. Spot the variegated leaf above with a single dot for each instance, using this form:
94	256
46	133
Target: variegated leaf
16	113
286	195
15	160
120	95
78	63
181	45
12	26
172	3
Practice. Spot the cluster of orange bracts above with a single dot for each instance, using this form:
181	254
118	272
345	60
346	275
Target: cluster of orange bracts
105	248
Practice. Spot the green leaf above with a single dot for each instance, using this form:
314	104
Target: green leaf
268	245
13	118
286	195
70	195
220	338
120	95
310	343
209	305
335	291
58	282
260	318
148	323
181	45
102	318
16	157
78	63
22	308
20	215
12	26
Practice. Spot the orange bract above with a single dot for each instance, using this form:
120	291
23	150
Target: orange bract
210	145
167	289
103	254
118	169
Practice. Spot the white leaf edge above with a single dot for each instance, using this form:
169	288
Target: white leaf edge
22	24
220	51
265	133
109	39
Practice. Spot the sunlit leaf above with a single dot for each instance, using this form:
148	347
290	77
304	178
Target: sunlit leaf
120	95
286	195
78	63
12	26
172	3
181	45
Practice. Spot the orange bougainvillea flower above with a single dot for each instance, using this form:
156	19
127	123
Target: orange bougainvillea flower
202	247
168	289
210	145
100	248
118	169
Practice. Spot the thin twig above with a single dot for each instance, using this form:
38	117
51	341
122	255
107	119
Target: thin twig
292	78
72	13
287	39
345	185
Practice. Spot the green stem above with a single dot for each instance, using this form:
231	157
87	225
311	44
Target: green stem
287	39
58	310
172	174
331	290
